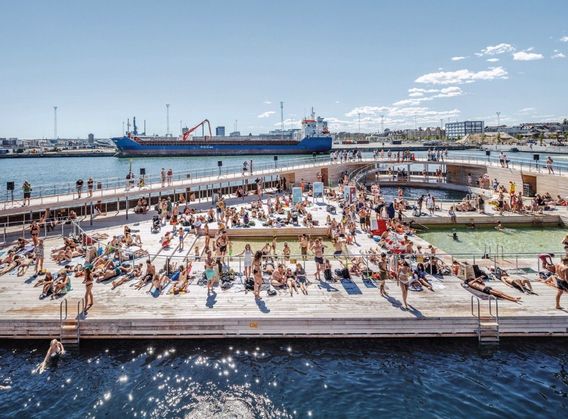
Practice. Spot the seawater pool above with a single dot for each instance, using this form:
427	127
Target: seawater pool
414	193
327	378
238	244
520	239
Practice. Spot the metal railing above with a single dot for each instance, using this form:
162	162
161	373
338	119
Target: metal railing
185	178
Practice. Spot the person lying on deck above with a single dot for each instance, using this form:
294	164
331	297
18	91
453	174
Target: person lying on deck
522	284
134	273
10	265
67	242
25	263
479	285
110	271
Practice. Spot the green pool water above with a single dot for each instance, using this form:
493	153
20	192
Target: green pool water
238	245
513	239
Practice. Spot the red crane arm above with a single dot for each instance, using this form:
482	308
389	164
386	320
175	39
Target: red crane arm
189	131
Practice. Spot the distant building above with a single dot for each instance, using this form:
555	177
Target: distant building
459	129
220	131
91	139
235	134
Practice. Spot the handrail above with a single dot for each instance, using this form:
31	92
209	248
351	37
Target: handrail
62	304
517	162
496	315
478	307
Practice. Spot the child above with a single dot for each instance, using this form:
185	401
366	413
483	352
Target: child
181	237
197	257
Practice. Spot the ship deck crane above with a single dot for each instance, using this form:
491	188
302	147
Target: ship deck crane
201	124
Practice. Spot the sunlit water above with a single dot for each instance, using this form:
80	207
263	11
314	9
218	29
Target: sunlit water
481	240
284	378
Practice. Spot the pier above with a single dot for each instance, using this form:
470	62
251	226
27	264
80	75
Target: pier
346	308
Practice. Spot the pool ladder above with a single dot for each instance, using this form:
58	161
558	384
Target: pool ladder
70	329
487	324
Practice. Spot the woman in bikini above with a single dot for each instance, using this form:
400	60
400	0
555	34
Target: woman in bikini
257	273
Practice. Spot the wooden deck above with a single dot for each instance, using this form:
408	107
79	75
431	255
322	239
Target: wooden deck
337	309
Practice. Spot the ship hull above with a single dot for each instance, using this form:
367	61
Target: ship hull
128	147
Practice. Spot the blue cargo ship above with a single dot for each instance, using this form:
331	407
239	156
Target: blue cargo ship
314	137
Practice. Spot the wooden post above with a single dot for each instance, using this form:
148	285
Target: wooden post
91	218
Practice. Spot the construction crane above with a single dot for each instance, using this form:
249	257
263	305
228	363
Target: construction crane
201	124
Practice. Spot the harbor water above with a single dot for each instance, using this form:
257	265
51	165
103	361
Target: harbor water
283	378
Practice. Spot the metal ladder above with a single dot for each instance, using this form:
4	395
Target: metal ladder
488	323
70	329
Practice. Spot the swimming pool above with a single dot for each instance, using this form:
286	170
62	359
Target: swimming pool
414	193
481	240
238	245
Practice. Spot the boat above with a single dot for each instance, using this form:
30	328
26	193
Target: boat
313	137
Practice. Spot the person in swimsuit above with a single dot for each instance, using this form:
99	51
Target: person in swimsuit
404	275
55	349
304	244
318	248
210	274
257	273
88	281
221	244
383	273
247	260
561	277
301	278
34	231
479	285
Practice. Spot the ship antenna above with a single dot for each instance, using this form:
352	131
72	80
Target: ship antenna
281	121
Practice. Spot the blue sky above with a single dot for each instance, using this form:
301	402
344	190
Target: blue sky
104	61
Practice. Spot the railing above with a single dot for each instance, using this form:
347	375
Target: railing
115	184
496	315
62	311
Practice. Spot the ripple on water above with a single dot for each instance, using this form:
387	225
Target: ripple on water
289	379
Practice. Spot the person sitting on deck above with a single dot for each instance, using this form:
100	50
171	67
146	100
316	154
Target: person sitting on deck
183	280
278	278
419	276
479	285
47	283
166	240
148	275
61	285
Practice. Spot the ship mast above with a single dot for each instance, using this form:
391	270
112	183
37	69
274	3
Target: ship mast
281	121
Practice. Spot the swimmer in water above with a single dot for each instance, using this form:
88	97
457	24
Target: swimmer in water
499	226
55	349
455	236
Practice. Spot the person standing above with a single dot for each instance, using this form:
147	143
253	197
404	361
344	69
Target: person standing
89	300
79	187
257	273
90	184
27	188
163	177
170	177
39	256
549	166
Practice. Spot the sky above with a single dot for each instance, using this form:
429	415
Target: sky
358	62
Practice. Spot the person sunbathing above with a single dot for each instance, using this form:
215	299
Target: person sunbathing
111	270
419	276
9	266
134	273
301	278
159	282
183	281
67	242
278	278
46	284
479	285
25	262
60	285
522	284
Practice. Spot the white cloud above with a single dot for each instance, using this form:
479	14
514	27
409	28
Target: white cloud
558	55
564	39
527	55
450	92
337	101
267	102
366	110
527	110
266	114
462	76
493	60
458	58
417	92
290	123
496	49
